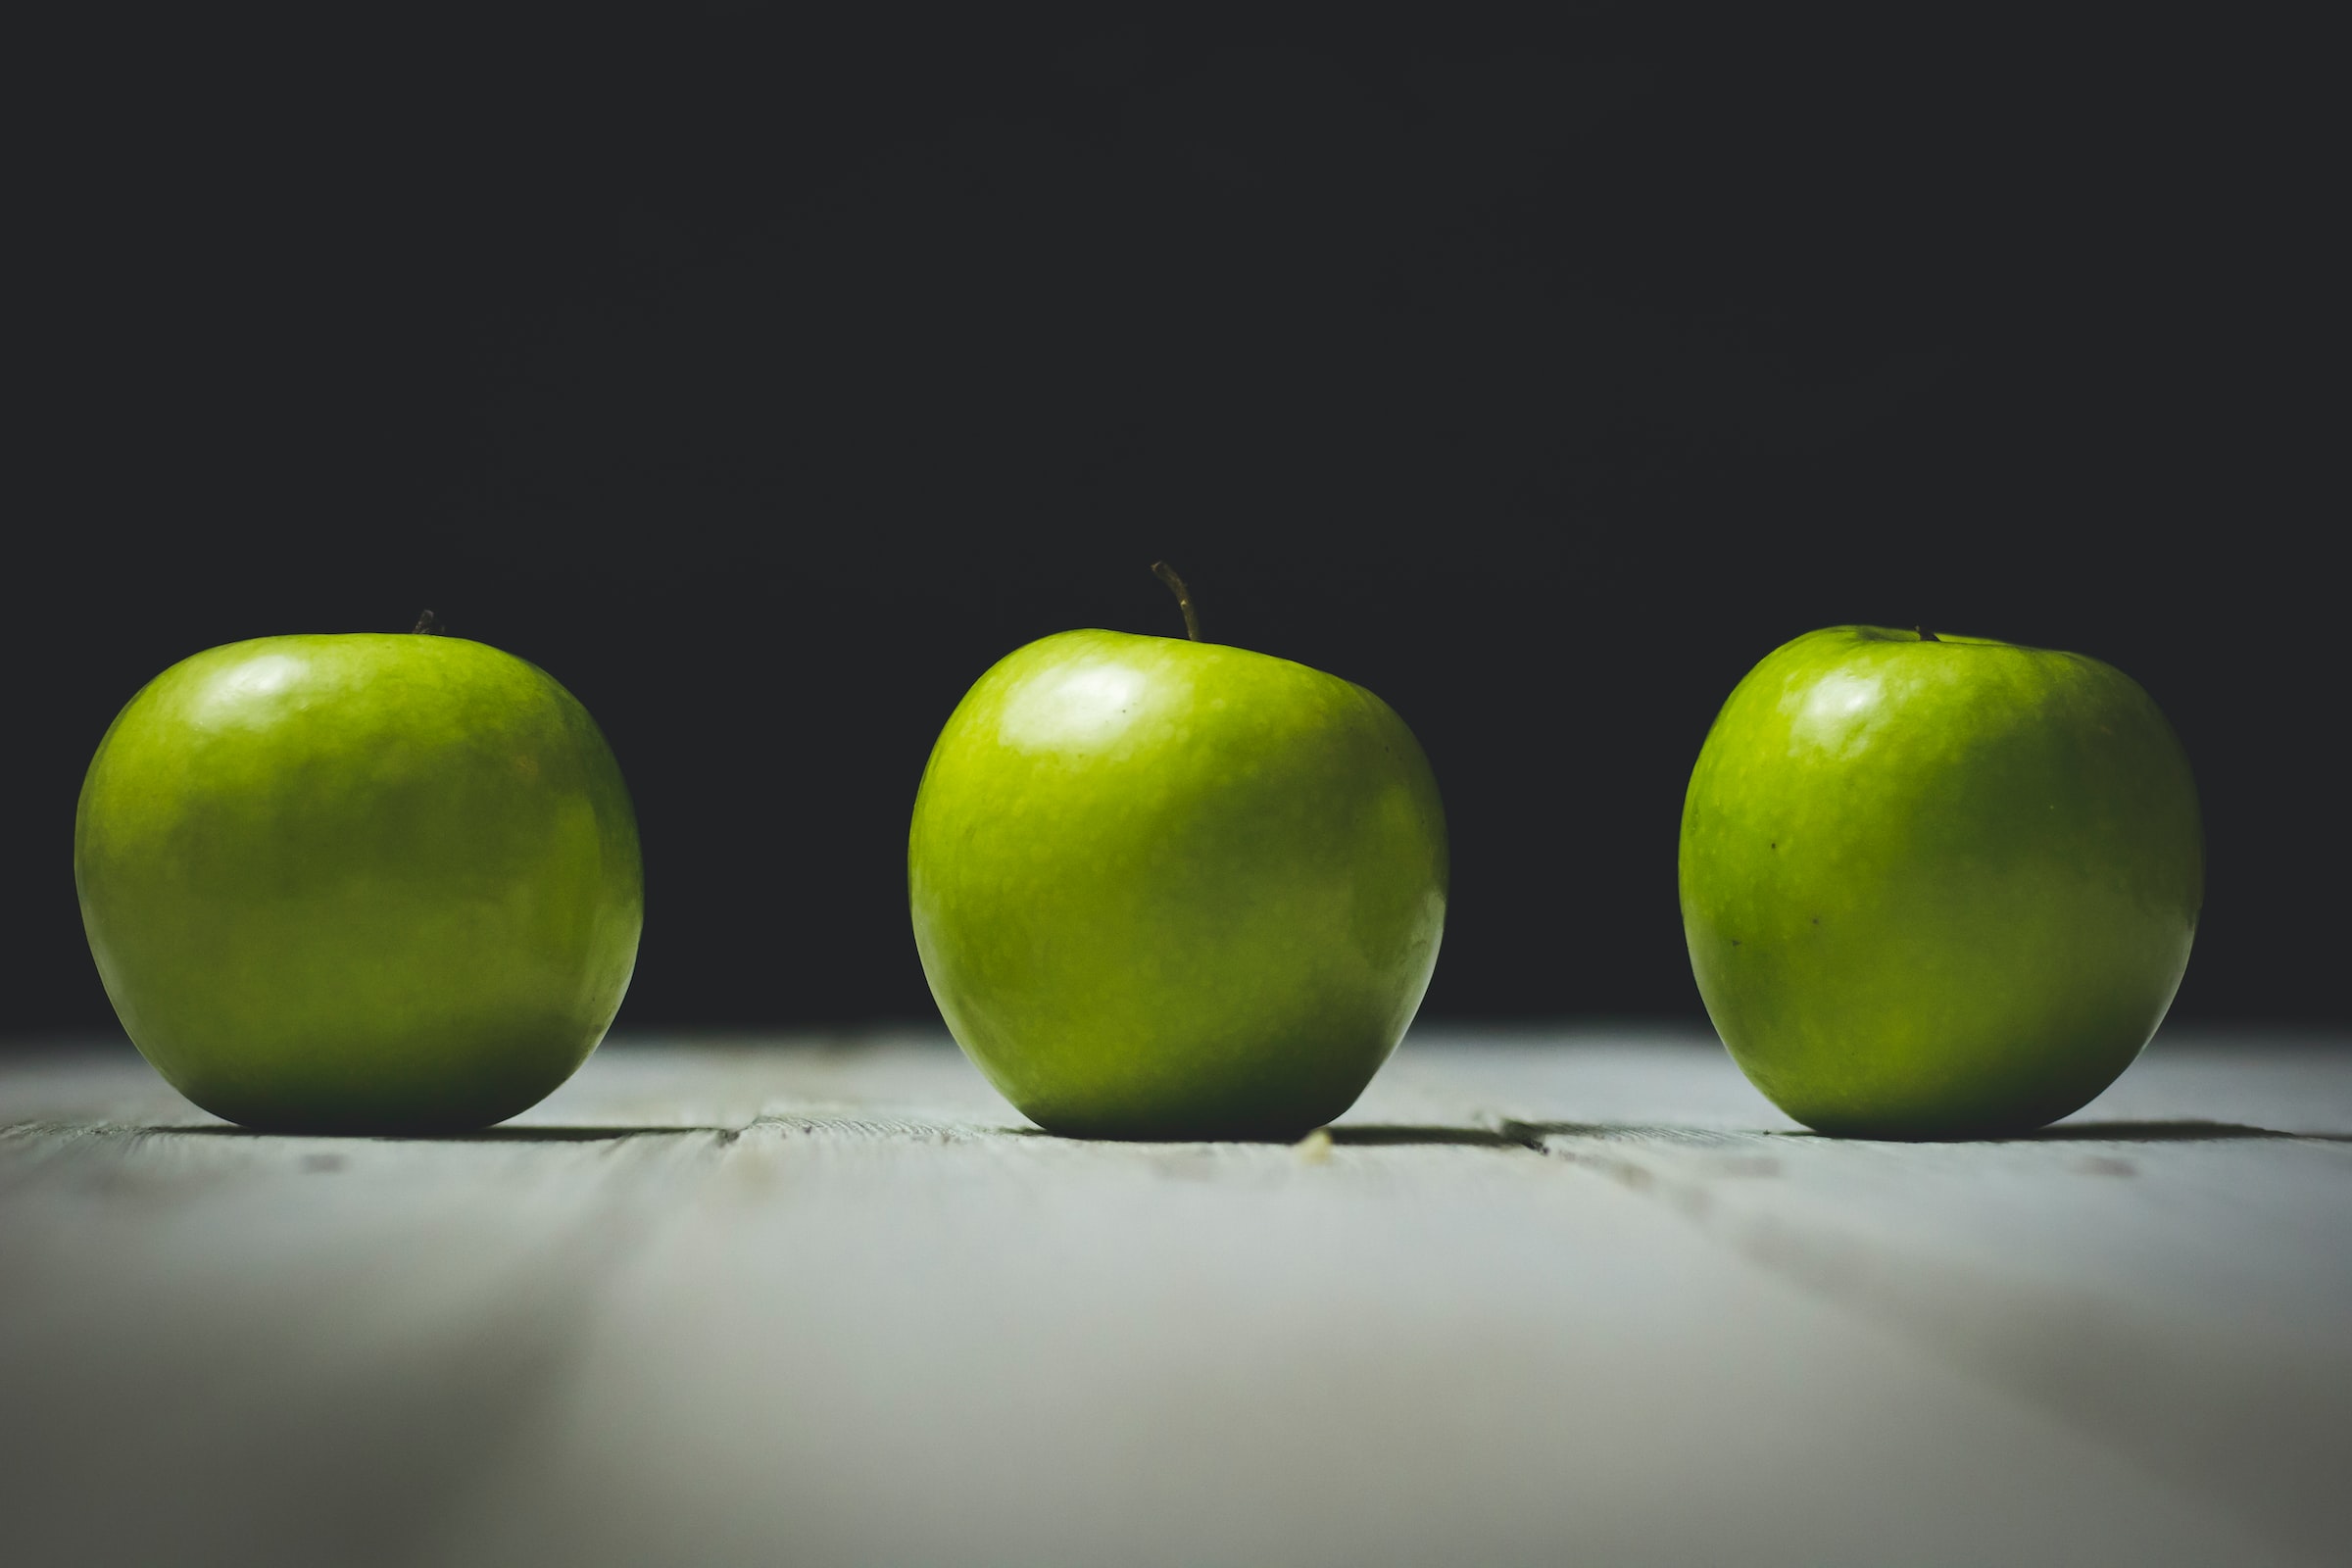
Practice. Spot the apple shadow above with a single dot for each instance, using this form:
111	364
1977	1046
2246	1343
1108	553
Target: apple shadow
2162	1132
1530	1134
1378	1136
1359	1136
573	1135
487	1134
2187	1131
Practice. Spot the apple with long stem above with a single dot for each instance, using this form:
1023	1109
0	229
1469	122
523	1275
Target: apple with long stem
1163	888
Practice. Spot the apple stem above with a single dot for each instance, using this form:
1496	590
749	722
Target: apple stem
1184	597
1927	636
425	625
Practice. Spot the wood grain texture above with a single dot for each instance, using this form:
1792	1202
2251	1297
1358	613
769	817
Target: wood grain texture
1539	1298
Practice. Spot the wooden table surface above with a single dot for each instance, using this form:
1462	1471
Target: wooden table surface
1546	1299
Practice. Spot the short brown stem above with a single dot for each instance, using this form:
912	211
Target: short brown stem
425	625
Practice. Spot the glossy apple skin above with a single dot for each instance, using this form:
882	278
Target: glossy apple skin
1175	889
1938	889
381	884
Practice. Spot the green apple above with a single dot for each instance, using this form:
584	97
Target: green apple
359	883
1172	889
1938	887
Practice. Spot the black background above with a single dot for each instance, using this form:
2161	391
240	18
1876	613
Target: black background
765	372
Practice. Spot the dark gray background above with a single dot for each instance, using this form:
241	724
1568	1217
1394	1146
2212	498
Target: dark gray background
767	371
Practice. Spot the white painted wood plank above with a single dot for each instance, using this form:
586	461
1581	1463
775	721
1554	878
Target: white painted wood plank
2171	1270
1409	1352
219	1349
821	1304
